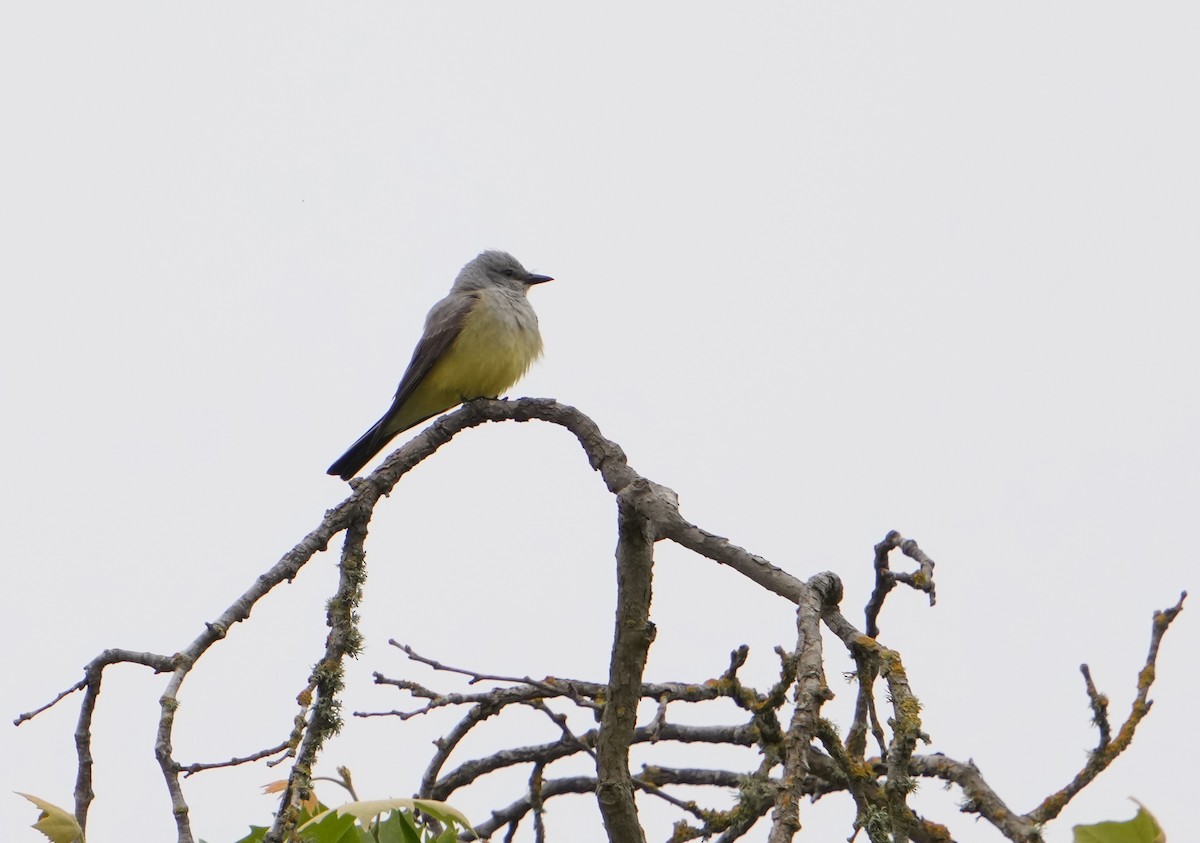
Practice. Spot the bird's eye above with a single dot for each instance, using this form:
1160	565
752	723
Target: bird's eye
509	273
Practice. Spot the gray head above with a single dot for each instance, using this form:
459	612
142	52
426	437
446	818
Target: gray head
497	269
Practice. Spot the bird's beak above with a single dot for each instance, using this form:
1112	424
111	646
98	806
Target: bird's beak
537	279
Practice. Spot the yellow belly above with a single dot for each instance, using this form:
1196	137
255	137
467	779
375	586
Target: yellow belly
496	346
489	356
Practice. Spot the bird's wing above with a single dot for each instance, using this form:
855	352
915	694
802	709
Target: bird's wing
442	327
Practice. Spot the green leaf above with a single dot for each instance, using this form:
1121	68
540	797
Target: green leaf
412	834
338	830
398	828
331	828
442	811
367	810
57	824
1143	828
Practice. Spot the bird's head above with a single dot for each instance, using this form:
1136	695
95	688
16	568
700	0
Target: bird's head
497	269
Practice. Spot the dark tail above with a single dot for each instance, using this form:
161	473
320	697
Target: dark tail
360	453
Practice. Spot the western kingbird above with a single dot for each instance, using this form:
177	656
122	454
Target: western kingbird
478	341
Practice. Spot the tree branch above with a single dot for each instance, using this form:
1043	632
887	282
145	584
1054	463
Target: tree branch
631	644
811	694
344	641
886	579
647	512
1106	753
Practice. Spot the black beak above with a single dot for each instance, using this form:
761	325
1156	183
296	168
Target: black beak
531	279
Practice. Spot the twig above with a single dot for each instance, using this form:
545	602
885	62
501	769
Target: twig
657	776
191	769
344	641
864	789
513	813
1099	704
536	803
647	512
582	693
93	673
906	730
981	799
469	771
548	687
886	579
660	716
560	720
343	781
1102	757
78	686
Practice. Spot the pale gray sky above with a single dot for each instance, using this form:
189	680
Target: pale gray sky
825	270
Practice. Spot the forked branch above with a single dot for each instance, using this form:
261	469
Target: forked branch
808	758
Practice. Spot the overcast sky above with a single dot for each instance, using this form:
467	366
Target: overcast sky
826	270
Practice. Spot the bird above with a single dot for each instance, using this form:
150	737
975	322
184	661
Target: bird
478	341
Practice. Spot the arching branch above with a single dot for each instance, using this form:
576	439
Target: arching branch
808	758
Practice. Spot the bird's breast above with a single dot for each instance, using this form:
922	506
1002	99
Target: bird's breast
498	342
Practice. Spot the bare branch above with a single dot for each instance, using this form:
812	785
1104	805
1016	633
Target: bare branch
886	579
631	644
647	512
700	777
671	525
864	789
1099	760
29	715
560	720
537	803
469	771
191	769
656	503
344	641
981	799
582	693
514	812
906	729
1099	704
873	658
550	687
93	673
811	694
